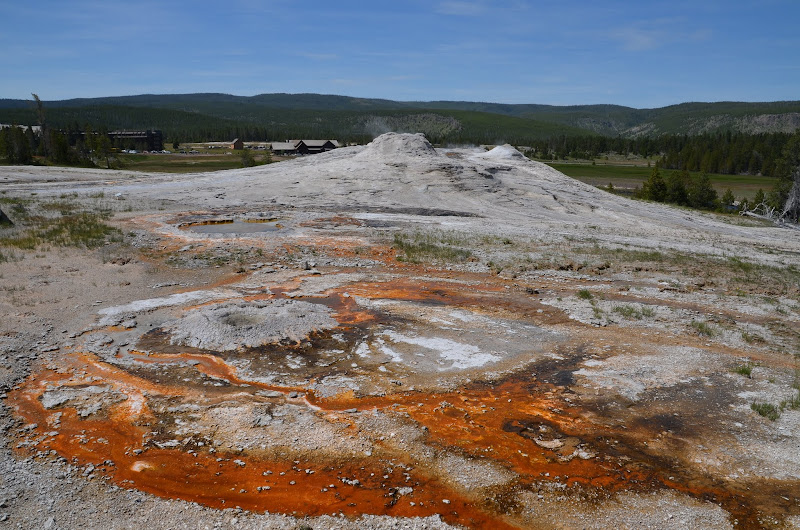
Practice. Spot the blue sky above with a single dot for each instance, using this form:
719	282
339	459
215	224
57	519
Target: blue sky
641	53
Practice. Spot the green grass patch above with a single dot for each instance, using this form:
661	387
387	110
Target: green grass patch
773	412
585	294
767	410
631	312
14	200
792	403
63	207
179	163
737	275
420	247
624	255
17	209
752	338
70	228
745	369
703	328
738	265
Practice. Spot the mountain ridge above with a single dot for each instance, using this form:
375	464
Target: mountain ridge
688	118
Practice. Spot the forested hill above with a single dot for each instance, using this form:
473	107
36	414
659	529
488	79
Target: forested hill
342	116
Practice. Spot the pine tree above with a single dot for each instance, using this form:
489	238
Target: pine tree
759	198
655	188
744	204
102	147
247	158
677	192
727	200
701	193
15	146
43	128
785	169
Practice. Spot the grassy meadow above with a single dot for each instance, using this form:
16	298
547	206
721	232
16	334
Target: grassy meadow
185	163
629	176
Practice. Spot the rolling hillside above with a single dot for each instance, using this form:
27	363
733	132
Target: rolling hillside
297	115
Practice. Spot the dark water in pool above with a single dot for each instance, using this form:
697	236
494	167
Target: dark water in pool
234	227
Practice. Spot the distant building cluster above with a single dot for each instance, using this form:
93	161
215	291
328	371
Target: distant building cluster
152	140
149	140
303	147
289	147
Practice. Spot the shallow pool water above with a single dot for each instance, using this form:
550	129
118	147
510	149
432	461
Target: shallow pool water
234	227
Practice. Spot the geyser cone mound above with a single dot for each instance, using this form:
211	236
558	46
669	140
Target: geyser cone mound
237	325
393	146
503	152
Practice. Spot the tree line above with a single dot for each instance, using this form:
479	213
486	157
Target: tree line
21	145
726	153
683	189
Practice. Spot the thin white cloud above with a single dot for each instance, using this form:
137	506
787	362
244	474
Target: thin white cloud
645	36
475	8
469	9
234	74
461	46
637	39
318	56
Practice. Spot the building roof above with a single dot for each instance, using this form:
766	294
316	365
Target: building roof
135	133
284	146
292	145
317	143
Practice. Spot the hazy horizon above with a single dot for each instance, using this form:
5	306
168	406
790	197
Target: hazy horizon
30	98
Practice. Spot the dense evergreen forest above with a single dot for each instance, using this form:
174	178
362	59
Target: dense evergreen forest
725	153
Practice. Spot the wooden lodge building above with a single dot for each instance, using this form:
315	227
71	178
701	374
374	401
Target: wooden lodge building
149	140
303	147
